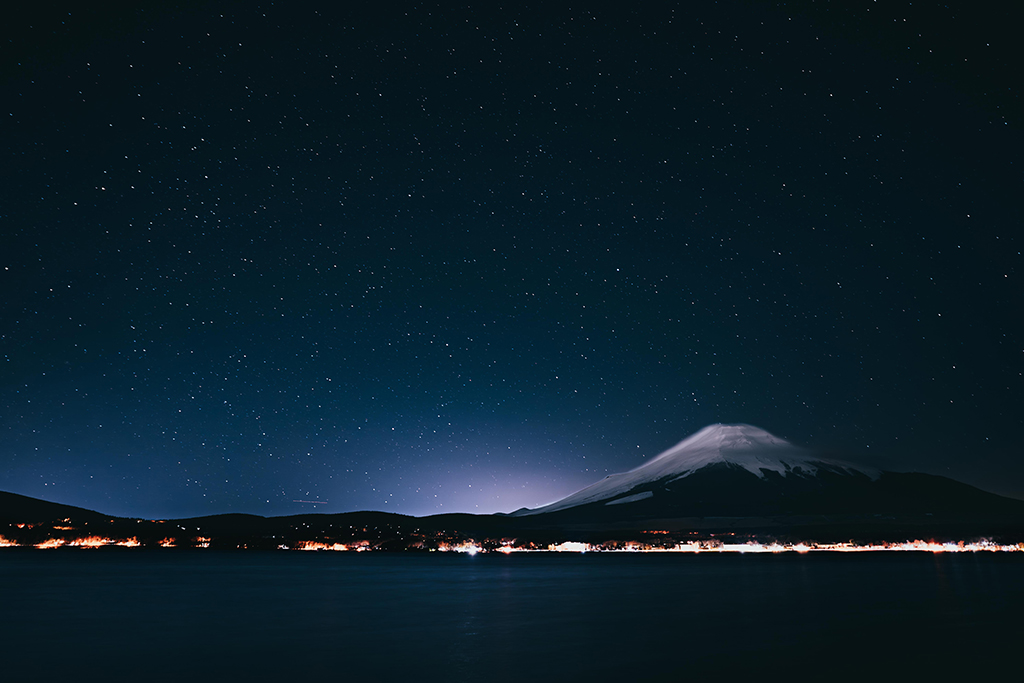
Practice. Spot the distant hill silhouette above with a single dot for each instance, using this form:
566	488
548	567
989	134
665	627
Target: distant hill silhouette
18	509
723	479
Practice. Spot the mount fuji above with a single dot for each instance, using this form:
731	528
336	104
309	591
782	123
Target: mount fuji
738	470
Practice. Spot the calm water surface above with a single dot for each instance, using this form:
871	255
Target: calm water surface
145	616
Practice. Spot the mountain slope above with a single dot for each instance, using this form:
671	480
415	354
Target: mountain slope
737	470
16	508
733	446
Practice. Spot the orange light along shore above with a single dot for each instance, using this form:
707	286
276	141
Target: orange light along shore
754	547
314	545
507	546
472	547
84	542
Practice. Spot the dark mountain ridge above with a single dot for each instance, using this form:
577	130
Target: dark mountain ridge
723	479
19	509
724	490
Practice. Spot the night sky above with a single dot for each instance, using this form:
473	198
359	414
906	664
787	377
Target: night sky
428	258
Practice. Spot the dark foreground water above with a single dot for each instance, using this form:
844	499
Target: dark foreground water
291	616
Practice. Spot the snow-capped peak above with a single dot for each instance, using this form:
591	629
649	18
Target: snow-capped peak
752	448
741	445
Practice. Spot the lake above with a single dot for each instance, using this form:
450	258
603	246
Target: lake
119	615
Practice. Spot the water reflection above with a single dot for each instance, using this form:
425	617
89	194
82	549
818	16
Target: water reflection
364	616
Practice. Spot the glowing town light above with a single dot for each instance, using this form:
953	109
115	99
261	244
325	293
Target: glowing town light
569	547
468	548
90	542
315	545
507	546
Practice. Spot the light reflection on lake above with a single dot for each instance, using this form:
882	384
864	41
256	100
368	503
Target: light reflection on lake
148	615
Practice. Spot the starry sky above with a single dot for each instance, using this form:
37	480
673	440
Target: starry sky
278	258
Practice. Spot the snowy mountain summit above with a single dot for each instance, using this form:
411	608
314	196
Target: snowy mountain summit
747	446
734	446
